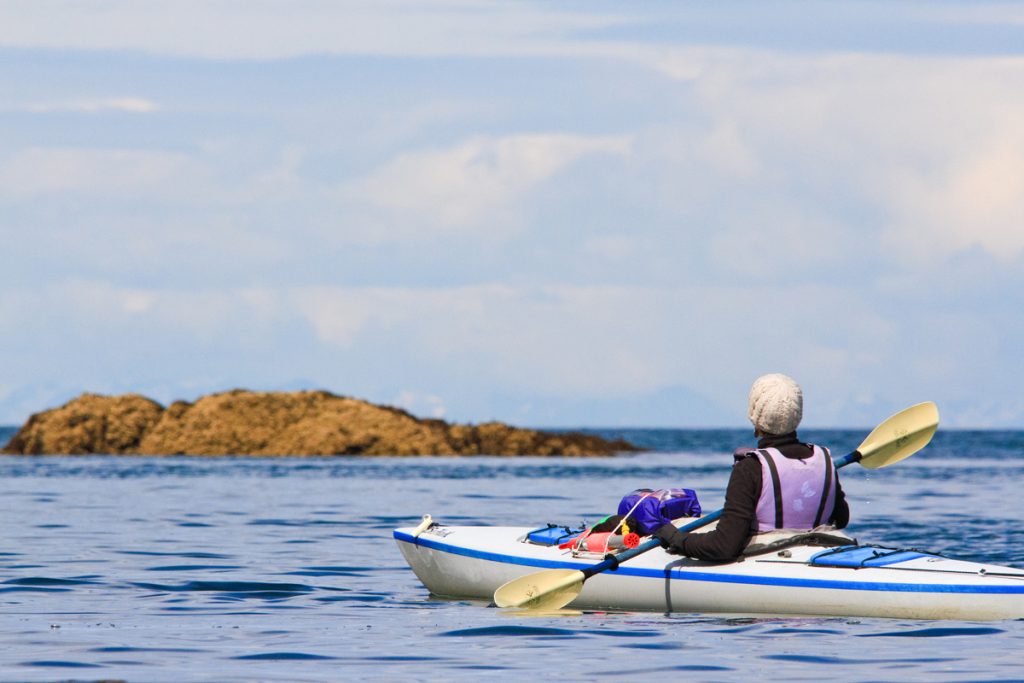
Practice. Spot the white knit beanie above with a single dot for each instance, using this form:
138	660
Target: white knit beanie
776	404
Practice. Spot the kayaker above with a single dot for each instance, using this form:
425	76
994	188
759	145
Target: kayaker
783	483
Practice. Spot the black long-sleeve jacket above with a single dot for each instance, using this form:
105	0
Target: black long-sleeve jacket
734	529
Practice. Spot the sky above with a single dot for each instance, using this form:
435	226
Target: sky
545	213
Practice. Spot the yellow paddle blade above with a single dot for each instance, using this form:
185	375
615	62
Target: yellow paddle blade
900	436
547	590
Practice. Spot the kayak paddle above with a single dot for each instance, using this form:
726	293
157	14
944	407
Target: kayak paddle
898	437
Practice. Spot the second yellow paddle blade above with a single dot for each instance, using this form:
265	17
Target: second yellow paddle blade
900	436
546	590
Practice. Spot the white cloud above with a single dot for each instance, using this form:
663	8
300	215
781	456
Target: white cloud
133	105
997	13
207	176
601	342
976	199
726	150
611	248
224	29
271	29
94	305
472	185
52	170
136	301
337	316
784	234
420	404
934	146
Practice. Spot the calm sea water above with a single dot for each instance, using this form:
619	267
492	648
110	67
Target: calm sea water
241	569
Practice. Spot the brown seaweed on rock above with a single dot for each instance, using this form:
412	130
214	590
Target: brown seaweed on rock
243	422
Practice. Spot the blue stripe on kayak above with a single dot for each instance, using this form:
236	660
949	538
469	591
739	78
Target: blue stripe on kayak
690	575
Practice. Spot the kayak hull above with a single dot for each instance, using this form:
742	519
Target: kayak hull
472	562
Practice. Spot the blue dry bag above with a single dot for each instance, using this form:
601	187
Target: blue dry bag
651	509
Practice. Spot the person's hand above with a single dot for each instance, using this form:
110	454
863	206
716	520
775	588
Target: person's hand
664	534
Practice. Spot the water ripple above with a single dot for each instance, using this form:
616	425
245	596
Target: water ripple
233	589
330	571
192	567
937	632
817	659
45	581
189	555
61	664
510	631
284	656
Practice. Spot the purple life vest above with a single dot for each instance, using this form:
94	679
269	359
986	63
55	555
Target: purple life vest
795	493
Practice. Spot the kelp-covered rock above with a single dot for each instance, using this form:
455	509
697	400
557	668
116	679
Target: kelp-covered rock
276	423
88	424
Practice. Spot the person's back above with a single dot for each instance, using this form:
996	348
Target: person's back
781	484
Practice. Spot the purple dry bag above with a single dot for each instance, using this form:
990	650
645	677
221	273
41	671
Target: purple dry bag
651	509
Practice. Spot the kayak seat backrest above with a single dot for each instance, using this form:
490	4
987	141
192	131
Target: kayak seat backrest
863	556
551	535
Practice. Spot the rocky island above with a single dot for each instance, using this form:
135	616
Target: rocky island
243	422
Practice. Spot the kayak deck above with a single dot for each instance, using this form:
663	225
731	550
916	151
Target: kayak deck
845	580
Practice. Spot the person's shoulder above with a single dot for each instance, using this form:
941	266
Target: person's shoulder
744	452
745	458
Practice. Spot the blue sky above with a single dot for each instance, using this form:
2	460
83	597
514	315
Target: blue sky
540	212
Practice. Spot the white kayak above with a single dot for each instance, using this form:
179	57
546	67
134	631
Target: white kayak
808	574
